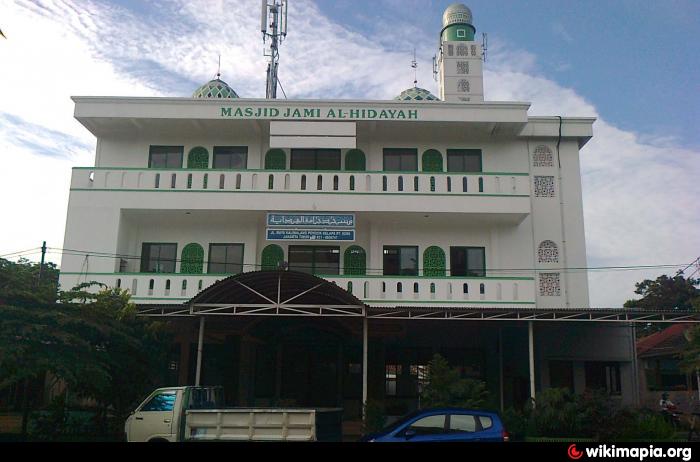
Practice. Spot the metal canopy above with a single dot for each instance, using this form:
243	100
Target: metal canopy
625	315
275	293
292	293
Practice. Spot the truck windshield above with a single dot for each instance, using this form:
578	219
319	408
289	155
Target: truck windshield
206	398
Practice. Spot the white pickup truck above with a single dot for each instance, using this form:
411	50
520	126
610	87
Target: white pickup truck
196	414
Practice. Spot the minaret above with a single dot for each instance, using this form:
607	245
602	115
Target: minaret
460	58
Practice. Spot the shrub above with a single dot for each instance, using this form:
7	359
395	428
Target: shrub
446	388
375	417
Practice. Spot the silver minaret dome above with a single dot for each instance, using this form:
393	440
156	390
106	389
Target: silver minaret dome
456	13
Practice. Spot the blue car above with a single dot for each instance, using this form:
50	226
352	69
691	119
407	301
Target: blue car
443	424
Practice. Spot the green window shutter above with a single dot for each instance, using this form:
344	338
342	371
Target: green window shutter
432	161
198	158
275	159
355	261
272	257
355	160
434	262
192	259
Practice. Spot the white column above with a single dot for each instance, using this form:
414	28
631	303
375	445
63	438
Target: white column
200	345
531	348
500	365
364	367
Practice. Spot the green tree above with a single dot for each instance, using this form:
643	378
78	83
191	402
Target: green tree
92	342
446	387
20	285
667	293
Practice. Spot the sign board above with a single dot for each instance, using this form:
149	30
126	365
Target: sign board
311	220
311	112
285	234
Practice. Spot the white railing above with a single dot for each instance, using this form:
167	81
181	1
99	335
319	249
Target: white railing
373	290
514	184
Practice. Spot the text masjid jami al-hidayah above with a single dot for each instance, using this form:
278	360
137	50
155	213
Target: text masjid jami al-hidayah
316	113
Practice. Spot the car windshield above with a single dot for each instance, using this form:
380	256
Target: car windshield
392	427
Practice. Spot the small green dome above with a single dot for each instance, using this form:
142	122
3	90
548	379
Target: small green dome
216	88
416	94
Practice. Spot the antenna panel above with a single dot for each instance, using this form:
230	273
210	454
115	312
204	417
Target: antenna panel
263	17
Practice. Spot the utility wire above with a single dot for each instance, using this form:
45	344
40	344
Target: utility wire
19	252
81	253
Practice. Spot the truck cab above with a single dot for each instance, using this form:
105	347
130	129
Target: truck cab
160	417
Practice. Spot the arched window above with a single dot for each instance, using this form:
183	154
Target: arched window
198	158
355	261
192	259
275	159
272	257
432	161
434	262
355	160
548	252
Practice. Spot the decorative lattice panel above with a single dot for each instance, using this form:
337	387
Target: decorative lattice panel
463	67
548	252
463	85
549	285
544	186
542	157
432	161
434	261
275	159
192	259
198	158
355	160
473	47
462	50
450	50
355	261
272	257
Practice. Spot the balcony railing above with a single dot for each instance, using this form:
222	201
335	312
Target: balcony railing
373	290
481	183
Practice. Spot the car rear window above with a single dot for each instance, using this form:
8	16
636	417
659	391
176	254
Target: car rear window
486	422
463	423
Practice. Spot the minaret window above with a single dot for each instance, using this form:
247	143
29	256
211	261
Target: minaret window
463	85
463	67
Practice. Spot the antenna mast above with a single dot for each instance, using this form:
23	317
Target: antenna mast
273	25
414	65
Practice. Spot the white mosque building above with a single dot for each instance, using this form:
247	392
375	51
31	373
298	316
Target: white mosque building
319	252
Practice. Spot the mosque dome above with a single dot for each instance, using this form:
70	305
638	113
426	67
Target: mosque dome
416	94
216	88
456	14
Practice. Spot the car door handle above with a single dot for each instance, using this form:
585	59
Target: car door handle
166	421
138	418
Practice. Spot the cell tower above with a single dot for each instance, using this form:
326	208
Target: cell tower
273	25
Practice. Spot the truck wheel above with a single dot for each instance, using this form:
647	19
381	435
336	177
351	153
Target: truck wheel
158	440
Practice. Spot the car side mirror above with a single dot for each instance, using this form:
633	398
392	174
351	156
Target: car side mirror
408	434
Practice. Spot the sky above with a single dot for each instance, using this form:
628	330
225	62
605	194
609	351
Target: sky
634	65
